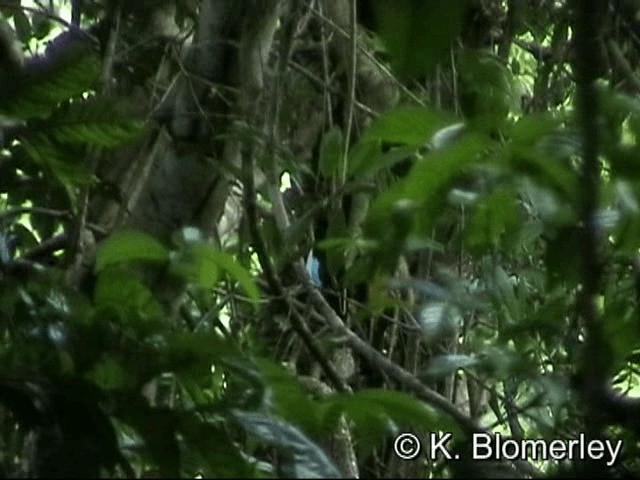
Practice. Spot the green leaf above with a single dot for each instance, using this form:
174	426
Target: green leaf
373	164
362	151
381	412
111	374
122	290
410	126
486	89
331	151
127	246
23	26
302	457
200	263
426	185
418	34
67	76
494	220
546	172
531	128
98	121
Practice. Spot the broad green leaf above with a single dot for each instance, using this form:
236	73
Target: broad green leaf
371	165
410	126
23	26
486	87
427	185
530	128
122	290
417	34
129	245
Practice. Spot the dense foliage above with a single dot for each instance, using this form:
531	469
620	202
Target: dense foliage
266	238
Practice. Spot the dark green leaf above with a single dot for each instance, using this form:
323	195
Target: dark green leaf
23	26
418	34
371	165
426	185
127	246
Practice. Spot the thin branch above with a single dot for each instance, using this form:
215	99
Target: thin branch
14	212
351	85
110	53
